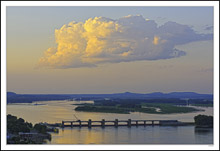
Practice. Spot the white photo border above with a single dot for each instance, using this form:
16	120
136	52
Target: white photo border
4	4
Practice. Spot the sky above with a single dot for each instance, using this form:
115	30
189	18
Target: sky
81	50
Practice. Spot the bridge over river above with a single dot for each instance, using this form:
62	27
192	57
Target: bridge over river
116	123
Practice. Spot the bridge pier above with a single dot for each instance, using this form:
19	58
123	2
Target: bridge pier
129	122
152	123
62	123
80	123
103	122
116	122
89	123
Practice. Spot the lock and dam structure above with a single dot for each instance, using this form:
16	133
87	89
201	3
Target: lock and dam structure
116	123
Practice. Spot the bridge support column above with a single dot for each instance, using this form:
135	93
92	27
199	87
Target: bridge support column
144	123
116	122
103	122
129	122
62	123
152	123
80	123
71	124
136	123
90	123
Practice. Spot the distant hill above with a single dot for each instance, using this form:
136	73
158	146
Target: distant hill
10	93
28	98
190	95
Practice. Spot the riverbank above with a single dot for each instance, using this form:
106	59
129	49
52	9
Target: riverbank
21	132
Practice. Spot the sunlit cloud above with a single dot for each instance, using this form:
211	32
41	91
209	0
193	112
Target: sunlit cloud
104	40
156	40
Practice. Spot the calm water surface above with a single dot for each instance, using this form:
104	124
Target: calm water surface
56	111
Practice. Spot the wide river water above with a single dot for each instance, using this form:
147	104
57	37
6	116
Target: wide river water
56	111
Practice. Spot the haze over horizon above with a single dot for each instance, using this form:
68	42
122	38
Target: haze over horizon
104	50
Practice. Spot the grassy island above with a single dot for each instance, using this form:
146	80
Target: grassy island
169	108
125	107
103	109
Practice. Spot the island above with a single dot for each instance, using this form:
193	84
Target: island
126	106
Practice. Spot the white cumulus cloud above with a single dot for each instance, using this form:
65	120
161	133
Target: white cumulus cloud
104	40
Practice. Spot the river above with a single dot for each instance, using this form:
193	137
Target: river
56	111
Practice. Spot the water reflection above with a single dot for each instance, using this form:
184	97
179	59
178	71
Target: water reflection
203	135
133	135
203	130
